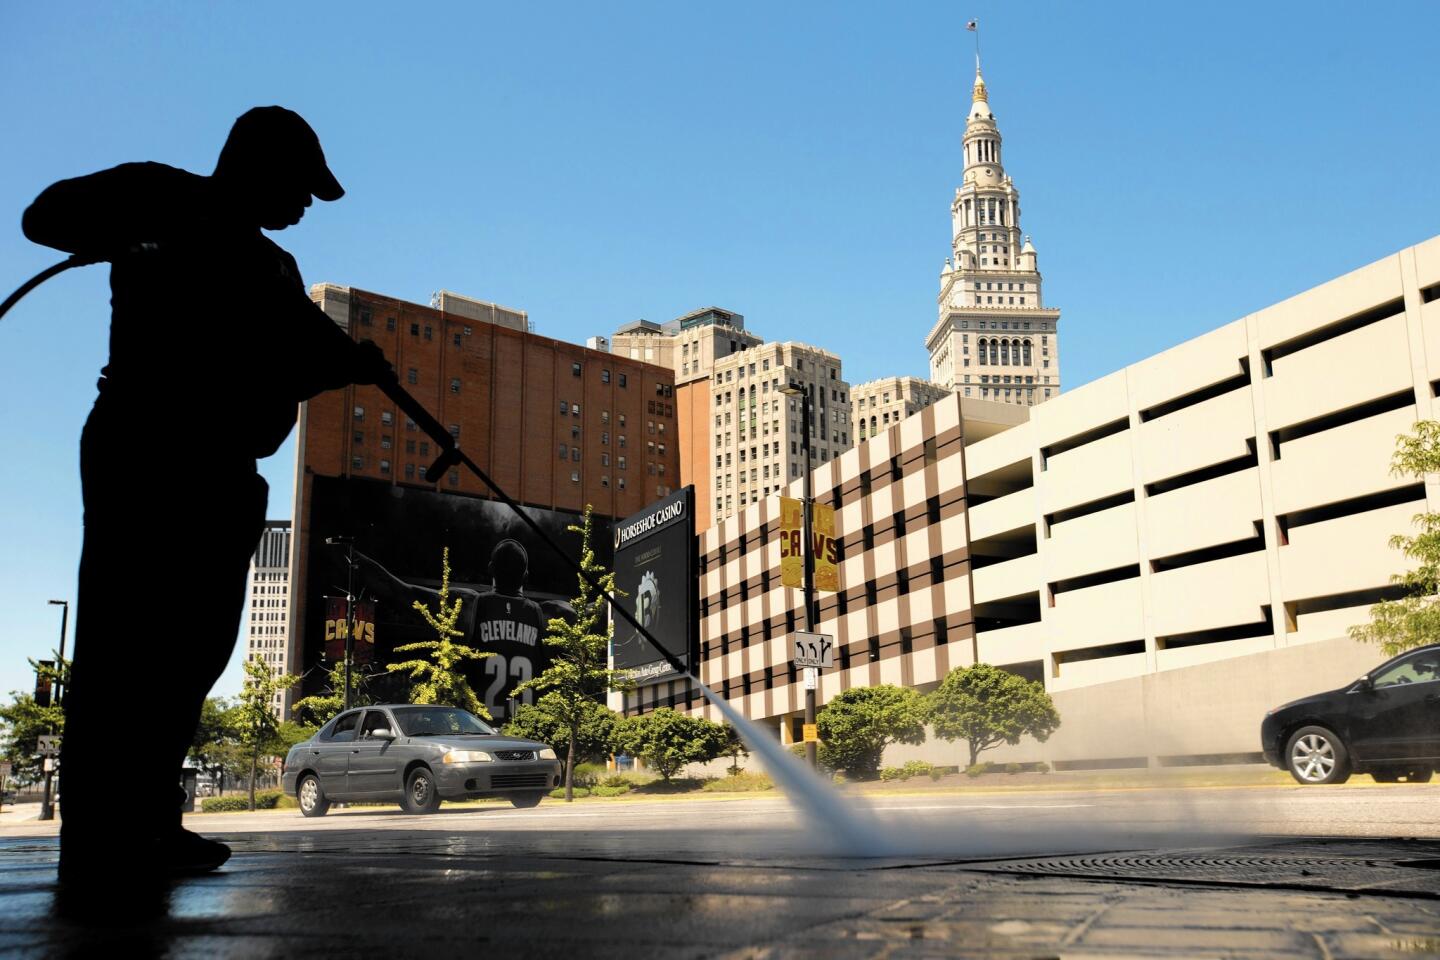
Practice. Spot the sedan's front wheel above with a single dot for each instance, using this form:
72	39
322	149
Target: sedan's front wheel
1315	755
311	797
420	794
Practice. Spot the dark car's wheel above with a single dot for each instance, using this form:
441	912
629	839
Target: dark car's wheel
311	797
524	800
1316	755
420	795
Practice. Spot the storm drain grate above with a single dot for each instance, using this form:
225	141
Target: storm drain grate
1346	874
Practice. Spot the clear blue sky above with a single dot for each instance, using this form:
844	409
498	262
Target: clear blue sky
1180	166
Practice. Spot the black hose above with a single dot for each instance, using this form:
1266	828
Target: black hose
75	260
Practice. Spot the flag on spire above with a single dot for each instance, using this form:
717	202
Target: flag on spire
972	25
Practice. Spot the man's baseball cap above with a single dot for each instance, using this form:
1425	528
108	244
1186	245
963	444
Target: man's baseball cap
276	137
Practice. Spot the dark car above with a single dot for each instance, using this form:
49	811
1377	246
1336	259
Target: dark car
1386	724
416	756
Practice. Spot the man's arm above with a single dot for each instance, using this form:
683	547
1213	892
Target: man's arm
107	212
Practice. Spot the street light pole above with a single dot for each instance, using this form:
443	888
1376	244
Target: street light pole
47	800
811	673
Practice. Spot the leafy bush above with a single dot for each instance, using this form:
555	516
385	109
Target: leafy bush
610	791
1042	767
264	800
857	725
978	769
667	740
617	780
677	785
936	773
559	793
739	783
1013	768
912	768
589	774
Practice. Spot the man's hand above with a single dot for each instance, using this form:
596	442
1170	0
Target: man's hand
370	365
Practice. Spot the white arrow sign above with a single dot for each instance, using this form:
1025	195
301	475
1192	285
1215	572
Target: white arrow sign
813	650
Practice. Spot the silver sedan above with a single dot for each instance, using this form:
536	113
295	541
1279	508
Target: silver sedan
418	756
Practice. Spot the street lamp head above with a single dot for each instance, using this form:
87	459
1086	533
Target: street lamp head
60	603
338	541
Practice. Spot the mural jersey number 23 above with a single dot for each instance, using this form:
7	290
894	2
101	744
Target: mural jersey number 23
506	673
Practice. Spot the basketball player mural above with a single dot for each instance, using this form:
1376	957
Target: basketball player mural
501	620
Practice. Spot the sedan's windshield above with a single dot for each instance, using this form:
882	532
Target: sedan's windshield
439	722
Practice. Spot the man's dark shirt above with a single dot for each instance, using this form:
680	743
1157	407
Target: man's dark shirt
211	331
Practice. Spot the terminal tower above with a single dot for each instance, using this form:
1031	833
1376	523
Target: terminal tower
995	338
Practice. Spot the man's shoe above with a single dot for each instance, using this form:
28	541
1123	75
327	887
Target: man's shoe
177	853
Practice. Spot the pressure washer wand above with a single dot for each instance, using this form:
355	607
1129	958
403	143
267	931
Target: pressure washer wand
75	260
451	455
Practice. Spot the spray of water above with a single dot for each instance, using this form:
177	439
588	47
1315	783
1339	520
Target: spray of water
845	826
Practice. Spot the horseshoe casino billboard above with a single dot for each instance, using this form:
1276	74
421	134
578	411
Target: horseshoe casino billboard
656	577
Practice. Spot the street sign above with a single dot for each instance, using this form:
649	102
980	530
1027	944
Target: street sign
813	650
49	745
812	733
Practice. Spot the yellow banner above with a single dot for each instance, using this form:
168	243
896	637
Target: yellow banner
792	558
822	533
812	732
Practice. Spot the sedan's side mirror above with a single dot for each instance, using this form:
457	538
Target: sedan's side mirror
383	733
1367	684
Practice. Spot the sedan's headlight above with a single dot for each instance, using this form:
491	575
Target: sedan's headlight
547	754
466	756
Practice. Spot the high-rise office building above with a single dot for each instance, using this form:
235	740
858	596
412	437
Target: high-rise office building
268	627
756	429
995	338
878	404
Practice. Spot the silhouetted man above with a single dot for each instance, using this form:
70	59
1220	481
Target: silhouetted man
213	343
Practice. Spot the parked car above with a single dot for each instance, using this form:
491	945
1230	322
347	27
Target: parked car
1386	724
417	756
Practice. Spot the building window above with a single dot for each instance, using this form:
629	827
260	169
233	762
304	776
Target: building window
574	476
455	430
359	438
564	451
385	442
429	332
604	376
357	463
564	407
387	418
575	369
575	454
390	324
622	380
412	375
359	413
575	409
454	384
620	482
384	466
414	329
409	471
457	339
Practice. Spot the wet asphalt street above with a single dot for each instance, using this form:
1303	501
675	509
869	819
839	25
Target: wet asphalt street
1272	871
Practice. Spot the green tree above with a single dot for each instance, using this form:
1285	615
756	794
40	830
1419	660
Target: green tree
667	740
578	675
857	725
734	748
23	721
986	706
1413	619
255	722
215	736
439	677
543	721
317	709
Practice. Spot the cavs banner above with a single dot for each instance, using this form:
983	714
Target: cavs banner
822	535
792	558
337	625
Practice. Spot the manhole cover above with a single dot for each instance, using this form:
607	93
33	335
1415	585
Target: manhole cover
1346	874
